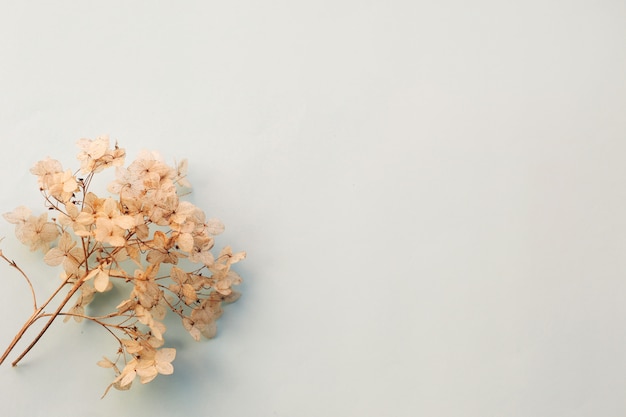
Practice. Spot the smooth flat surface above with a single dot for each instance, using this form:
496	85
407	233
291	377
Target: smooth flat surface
431	195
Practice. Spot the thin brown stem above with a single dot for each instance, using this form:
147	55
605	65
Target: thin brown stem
30	284
17	337
34	317
69	295
174	309
107	326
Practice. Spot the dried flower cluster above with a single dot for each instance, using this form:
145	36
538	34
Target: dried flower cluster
143	239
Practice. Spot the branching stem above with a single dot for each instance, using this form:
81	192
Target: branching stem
34	317
69	295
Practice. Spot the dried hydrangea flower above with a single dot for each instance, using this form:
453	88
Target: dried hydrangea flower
144	239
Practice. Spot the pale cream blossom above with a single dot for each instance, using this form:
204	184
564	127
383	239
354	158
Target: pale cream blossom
62	185
110	209
148	367
124	184
95	154
182	285
151	170
66	253
201	252
18	217
146	288
152	363
111	224
161	249
38	233
44	169
107	232
78	220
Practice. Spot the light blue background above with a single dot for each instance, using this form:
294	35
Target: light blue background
431	195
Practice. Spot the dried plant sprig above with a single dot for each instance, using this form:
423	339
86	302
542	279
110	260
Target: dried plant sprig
144	239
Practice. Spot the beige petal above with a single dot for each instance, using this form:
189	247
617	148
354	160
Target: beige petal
164	368
85	218
54	257
189	293
210	331
185	242
214	227
179	275
128	378
147	374
105	363
237	257
125	222
101	282
49	232
132	346
117	241
234	278
157	328
19	215
165	355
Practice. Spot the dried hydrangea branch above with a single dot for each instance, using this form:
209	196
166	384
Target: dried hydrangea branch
147	225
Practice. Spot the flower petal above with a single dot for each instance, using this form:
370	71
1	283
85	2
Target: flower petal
164	368
54	257
101	282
